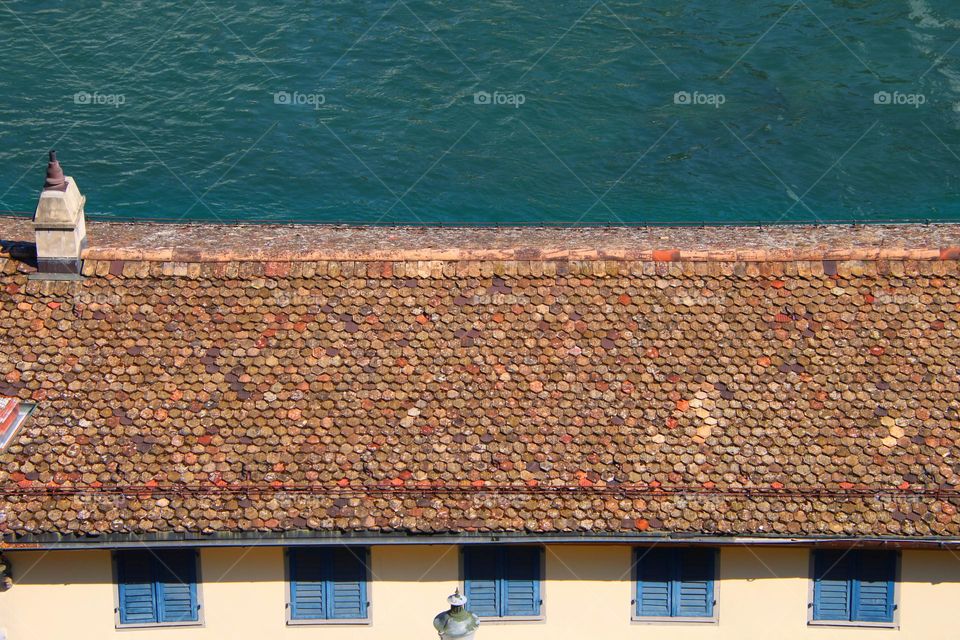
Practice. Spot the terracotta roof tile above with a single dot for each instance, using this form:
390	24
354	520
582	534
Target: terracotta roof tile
167	242
796	398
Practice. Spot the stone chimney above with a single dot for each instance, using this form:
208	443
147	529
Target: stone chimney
59	225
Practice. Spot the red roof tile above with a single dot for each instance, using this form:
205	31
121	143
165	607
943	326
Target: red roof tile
785	398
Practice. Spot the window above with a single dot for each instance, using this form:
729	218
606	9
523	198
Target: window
675	582
328	584
157	587
503	582
854	586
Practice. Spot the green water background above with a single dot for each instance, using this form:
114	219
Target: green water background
373	112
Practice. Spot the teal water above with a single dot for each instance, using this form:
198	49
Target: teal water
599	112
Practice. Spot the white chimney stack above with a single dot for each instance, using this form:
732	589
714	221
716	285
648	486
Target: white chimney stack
59	225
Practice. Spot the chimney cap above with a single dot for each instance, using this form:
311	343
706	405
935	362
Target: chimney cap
55	179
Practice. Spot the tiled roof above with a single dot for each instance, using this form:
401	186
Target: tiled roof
259	242
816	397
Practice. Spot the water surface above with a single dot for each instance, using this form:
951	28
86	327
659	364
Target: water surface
503	112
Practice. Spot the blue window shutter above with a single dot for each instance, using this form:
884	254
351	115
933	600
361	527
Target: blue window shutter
872	596
693	589
347	592
328	583
832	586
307	584
654	578
481	569
521	581
176	573
136	586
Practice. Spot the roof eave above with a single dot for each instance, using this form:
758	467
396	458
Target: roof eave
44	542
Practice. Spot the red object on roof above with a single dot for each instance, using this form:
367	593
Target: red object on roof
9	410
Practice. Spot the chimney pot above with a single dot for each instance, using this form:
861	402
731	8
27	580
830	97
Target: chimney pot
55	180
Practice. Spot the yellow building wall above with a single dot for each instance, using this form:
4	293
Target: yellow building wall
587	596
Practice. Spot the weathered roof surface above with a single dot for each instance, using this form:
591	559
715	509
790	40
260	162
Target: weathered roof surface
778	397
219	243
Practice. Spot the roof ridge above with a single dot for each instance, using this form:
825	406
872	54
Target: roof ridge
155	242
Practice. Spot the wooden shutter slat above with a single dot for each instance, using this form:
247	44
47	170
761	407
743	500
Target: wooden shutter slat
521	581
694	590
654	574
874	587
481	584
307	584
177	585
832	590
136	588
347	587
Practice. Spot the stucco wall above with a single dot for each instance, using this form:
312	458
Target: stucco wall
587	594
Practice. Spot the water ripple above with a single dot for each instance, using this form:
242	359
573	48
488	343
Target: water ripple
496	112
